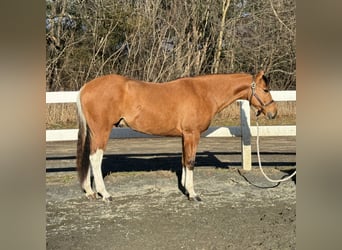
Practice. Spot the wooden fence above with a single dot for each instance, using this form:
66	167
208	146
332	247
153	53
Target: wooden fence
245	130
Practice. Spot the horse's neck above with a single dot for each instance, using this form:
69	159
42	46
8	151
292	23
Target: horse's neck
229	91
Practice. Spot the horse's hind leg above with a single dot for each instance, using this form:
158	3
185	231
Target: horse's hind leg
95	161
99	140
86	185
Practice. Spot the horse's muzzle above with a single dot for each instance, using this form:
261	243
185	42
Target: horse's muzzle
271	115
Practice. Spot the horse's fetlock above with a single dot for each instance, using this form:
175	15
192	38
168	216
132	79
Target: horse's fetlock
191	164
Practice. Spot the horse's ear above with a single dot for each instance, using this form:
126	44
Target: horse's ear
267	80
259	75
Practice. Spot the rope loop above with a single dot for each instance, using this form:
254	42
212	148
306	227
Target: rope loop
262	171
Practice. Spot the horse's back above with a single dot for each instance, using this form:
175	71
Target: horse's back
107	82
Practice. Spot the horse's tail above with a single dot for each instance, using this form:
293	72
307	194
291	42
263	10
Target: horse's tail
83	143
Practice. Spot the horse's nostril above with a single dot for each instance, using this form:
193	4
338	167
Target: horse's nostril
271	115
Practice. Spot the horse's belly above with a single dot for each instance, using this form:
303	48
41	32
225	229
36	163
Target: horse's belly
154	126
157	129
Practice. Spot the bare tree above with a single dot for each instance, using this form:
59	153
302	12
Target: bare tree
157	40
225	6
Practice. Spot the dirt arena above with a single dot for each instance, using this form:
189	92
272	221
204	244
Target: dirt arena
239	210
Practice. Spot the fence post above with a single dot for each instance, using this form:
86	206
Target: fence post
245	120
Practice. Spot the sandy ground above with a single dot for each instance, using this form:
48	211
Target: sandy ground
240	210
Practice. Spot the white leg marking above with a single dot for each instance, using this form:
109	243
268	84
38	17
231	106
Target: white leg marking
189	183
183	176
86	185
95	161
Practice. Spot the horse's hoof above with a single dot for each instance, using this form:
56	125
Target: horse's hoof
91	196
195	198
107	199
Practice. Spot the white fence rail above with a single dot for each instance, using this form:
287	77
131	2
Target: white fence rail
245	131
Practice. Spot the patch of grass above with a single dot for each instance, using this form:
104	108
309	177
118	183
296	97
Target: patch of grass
280	120
230	116
61	116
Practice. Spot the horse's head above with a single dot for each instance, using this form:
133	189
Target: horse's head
261	98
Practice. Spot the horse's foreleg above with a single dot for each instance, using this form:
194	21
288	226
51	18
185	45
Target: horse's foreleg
189	183
190	142
95	161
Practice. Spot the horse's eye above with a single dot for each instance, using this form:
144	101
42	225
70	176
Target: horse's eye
266	90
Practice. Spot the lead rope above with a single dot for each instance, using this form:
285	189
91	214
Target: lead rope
262	171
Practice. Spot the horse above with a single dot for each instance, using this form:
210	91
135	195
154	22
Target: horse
183	107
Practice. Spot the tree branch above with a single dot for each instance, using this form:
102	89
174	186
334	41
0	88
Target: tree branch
276	15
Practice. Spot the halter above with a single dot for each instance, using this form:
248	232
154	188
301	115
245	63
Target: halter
263	105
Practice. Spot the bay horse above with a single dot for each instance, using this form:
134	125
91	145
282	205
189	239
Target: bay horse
183	107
